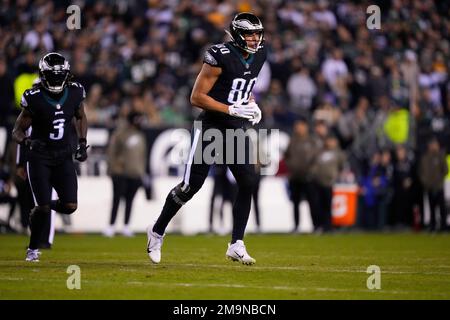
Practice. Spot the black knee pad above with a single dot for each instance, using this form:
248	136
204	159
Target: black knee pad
63	208
68	210
182	193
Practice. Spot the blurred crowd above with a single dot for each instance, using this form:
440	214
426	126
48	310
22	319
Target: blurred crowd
381	95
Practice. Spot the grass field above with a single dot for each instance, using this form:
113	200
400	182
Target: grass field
413	266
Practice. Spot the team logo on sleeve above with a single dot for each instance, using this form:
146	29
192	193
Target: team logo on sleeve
210	59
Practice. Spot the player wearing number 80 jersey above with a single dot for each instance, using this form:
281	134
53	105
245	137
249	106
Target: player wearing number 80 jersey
223	90
49	108
236	80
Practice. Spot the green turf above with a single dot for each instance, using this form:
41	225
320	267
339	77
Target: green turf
413	266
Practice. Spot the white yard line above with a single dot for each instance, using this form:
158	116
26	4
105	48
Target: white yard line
241	286
304	268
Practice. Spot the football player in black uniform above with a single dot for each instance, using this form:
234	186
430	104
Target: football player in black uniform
49	107
223	90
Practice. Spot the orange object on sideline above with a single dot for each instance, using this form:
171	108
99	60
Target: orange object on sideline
344	204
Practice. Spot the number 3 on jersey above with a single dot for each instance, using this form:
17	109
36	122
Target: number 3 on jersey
240	90
58	124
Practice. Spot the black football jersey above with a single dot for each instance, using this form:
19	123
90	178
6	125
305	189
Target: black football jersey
237	79
52	117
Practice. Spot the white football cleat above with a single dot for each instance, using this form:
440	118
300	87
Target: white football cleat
154	244
32	255
237	252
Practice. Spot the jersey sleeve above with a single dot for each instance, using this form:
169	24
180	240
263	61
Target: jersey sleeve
213	57
25	101
80	93
83	92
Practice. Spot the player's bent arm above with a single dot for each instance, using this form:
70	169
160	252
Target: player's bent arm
203	84
22	124
81	122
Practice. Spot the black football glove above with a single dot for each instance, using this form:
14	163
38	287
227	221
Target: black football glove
81	153
33	144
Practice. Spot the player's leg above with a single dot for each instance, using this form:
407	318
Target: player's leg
131	187
246	179
64	181
212	201
244	171
312	199
118	183
432	199
328	199
179	195
39	179
294	186
442	210
256	202
48	233
194	177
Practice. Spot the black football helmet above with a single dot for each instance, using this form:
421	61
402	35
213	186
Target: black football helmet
54	72
245	23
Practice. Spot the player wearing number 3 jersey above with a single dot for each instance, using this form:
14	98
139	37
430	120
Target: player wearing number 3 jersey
49	108
223	90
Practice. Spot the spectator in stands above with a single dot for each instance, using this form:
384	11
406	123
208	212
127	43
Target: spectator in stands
402	214
432	79
127	152
385	198
432	172
324	16
301	90
276	107
320	132
352	123
373	188
39	37
329	163
336	73
299	157
439	123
